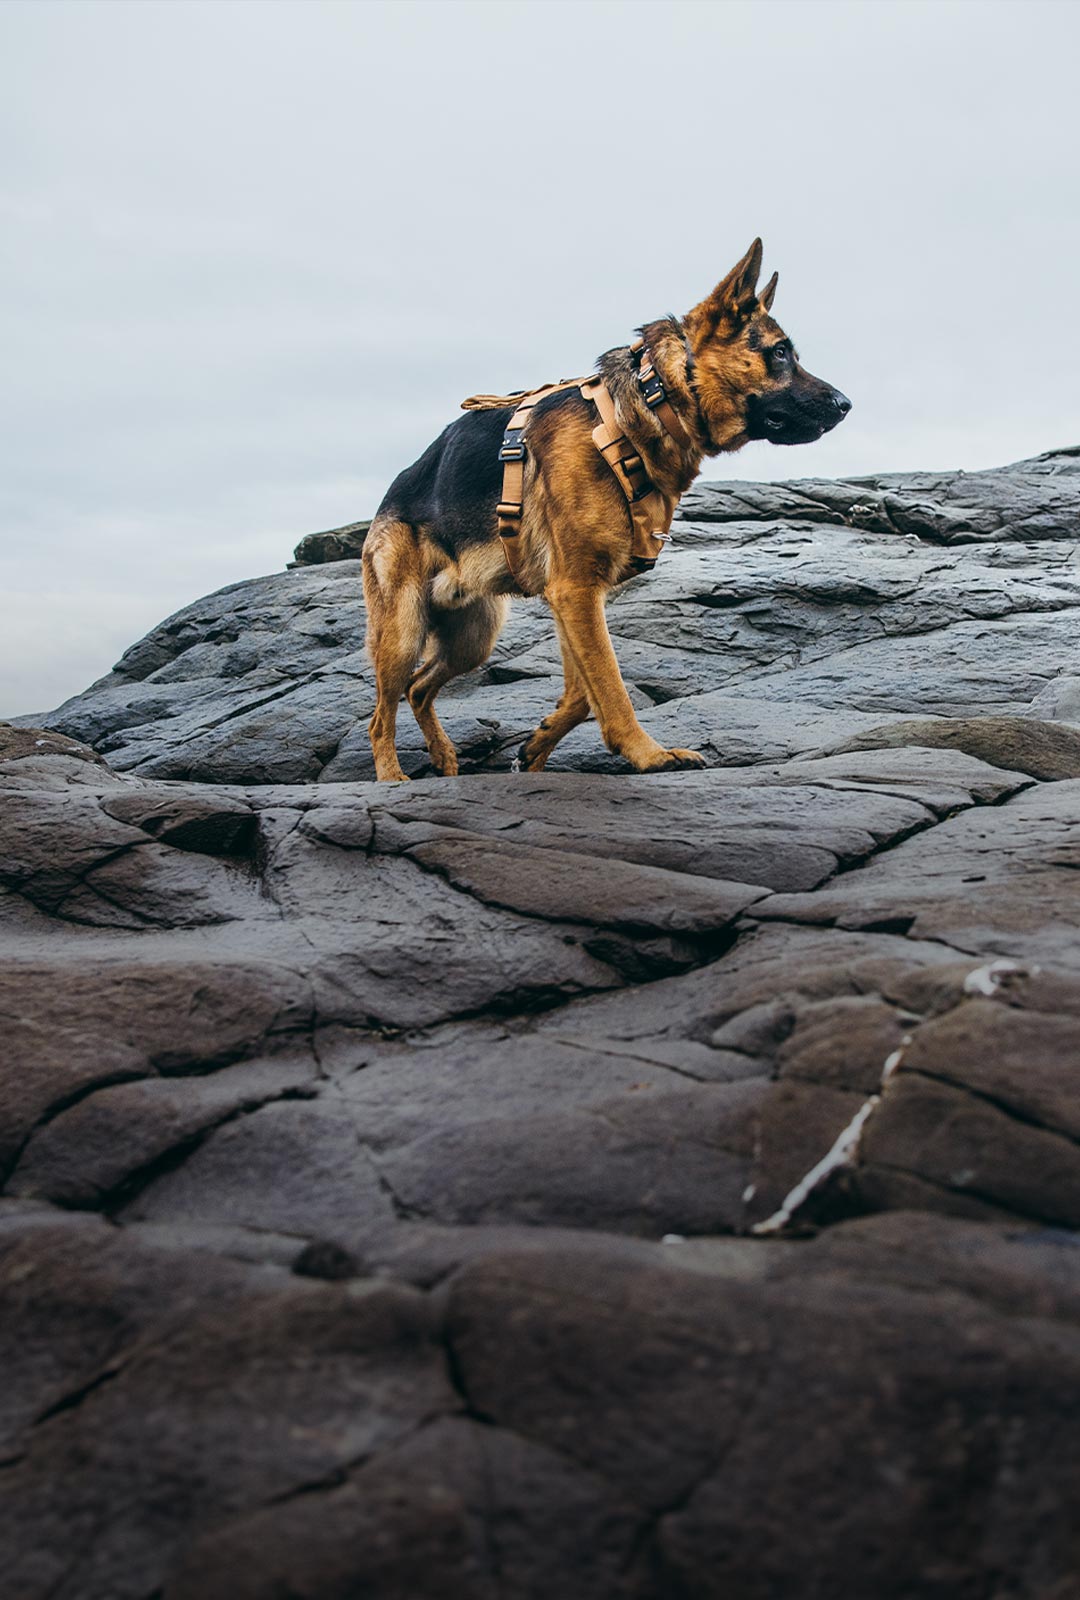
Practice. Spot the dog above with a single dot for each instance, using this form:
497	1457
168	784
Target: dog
438	584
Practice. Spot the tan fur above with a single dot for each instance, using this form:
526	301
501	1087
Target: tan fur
574	545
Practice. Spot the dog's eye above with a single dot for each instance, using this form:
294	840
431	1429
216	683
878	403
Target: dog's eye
780	352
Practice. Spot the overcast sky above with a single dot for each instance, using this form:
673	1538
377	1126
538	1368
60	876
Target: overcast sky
254	253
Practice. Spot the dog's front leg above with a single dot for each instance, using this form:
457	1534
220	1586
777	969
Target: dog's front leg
583	631
571	711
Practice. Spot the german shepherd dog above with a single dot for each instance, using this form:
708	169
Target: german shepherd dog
437	584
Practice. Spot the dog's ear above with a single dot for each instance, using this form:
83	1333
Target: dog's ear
768	294
732	302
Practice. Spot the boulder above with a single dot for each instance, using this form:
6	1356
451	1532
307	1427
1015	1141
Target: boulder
22	743
336	544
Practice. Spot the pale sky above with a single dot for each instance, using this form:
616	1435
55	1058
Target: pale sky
254	253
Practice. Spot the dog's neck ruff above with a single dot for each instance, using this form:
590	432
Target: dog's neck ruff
650	510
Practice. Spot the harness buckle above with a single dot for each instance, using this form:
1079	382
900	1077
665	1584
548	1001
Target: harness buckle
652	390
513	445
638	484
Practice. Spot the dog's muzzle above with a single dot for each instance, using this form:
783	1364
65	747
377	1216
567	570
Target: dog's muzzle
793	418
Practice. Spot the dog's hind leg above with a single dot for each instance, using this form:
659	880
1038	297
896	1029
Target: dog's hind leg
572	709
460	639
394	593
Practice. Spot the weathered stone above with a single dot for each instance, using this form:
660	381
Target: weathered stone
649	1163
17	744
674	1408
573	1183
786	619
562	886
691	822
457	1512
214	825
336	544
1021	744
79	1020
94	1151
999	882
206	1397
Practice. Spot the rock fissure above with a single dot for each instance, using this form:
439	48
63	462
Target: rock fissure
65	1103
113	1201
1007	1107
844	1151
75	1397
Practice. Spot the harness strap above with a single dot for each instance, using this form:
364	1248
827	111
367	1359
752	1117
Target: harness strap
650	513
650	517
512	456
655	395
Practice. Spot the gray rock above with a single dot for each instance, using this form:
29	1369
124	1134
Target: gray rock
1020	743
336	544
786	618
569	1184
28	742
992	883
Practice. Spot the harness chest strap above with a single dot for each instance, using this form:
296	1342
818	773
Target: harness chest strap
650	514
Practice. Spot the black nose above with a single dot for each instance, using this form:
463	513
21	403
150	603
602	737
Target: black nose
841	402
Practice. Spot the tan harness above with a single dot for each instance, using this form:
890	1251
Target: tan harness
650	514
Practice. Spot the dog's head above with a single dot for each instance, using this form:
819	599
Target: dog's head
746	372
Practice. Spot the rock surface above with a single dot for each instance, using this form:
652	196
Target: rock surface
335	544
785	618
577	1184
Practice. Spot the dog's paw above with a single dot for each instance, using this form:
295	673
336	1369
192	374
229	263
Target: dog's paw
531	763
678	760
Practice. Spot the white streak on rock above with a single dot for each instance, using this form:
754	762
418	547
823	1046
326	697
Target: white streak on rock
839	1156
986	980
842	1153
893	1061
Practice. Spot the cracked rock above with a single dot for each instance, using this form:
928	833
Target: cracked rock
571	1184
786	618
